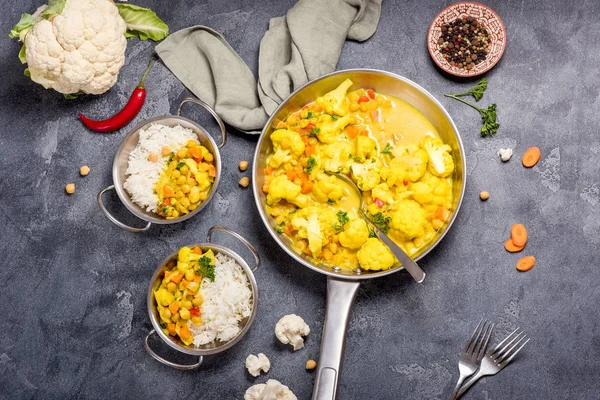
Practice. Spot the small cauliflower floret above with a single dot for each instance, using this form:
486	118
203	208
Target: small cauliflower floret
335	101
272	390
382	192
336	157
279	158
421	192
441	190
440	160
330	130
290	329
409	219
256	364
374	255
355	234
316	225
365	147
287	140
327	188
281	188
412	159
366	175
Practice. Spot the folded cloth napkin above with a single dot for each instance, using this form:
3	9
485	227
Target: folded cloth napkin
297	48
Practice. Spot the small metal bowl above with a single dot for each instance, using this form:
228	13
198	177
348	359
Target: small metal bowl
209	348
130	142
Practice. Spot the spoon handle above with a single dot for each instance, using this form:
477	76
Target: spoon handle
412	267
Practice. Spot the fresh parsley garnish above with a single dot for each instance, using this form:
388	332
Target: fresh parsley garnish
163	325
343	219
381	221
309	115
387	149
476	91
334	117
293	211
165	209
372	233
488	115
205	268
313	132
310	164
330	202
279	230
171	157
179	165
373	160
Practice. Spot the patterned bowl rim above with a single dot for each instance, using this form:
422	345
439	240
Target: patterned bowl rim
445	67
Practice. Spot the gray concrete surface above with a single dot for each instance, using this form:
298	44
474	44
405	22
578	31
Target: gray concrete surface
73	285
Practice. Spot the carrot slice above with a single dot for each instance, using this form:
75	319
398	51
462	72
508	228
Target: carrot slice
309	150
168	192
197	250
526	263
531	157
352	131
307	187
519	235
510	246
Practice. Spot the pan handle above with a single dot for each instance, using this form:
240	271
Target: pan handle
238	237
211	111
113	219
340	296
180	367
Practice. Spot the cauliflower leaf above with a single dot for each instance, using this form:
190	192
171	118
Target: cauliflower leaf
143	23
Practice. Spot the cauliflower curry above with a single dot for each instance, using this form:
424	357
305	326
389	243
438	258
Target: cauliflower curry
388	148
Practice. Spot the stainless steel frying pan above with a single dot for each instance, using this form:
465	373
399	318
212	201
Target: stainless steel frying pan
342	284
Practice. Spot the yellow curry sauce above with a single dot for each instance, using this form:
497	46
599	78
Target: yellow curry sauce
186	181
388	148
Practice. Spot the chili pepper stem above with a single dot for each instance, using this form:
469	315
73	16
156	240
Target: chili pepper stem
141	85
481	111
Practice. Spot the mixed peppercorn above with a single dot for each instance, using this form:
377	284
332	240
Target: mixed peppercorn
464	42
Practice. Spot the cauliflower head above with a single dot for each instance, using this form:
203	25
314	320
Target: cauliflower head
441	162
287	140
412	159
365	147
330	130
366	176
355	234
272	390
382	192
256	364
290	329
81	49
374	255
315	224
335	101
281	188
409	218
327	188
336	157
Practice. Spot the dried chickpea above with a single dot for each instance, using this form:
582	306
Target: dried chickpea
84	170
184	313
243	165
209	157
70	188
187	304
311	364
244	182
153	157
191	143
166	150
189	275
181	180
184	170
483	195
292	120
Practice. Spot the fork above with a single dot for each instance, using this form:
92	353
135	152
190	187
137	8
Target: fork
473	352
495	360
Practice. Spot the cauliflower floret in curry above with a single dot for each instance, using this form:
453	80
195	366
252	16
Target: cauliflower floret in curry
366	176
316	224
355	234
287	145
327	188
281	188
335	101
440	160
365	147
374	255
329	131
337	157
409	219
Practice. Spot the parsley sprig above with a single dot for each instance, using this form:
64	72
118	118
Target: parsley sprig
381	221
387	149
488	115
310	164
205	268
343	219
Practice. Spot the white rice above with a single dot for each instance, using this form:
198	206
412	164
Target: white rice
226	302
143	174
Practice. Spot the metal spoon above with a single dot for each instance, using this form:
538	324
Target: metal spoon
412	267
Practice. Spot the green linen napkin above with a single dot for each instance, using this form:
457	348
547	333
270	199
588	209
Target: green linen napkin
299	47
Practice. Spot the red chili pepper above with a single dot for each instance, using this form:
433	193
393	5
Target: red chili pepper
195	312
123	117
379	202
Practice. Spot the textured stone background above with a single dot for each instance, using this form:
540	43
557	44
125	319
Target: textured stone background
73	285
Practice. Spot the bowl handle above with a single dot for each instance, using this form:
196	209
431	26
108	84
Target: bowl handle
210	110
240	238
166	362
113	219
340	296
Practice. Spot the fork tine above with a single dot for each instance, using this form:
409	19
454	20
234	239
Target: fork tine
507	352
483	346
502	364
502	342
481	338
473	336
506	349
